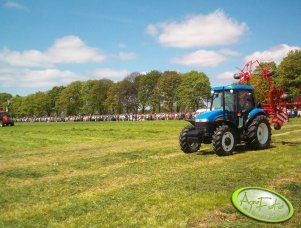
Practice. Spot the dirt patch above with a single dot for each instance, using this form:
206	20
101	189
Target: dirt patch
217	217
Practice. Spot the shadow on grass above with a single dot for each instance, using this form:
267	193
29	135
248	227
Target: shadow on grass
241	148
205	152
288	143
238	149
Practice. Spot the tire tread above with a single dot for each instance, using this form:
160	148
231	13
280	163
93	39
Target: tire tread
252	141
184	145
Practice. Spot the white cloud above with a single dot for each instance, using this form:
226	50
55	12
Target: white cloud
126	55
69	49
47	78
226	75
29	58
275	54
225	78
42	79
204	58
35	69
199	31
109	73
14	5
229	52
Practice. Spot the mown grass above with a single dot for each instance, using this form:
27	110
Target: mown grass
108	174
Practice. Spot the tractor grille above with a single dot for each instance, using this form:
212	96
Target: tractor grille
206	128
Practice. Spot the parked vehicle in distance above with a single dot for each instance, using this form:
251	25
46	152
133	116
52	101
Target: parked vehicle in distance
5	120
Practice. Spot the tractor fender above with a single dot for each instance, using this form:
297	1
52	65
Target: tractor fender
220	121
231	124
255	112
191	121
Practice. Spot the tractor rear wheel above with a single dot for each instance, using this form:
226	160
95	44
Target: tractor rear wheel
186	146
259	133
223	140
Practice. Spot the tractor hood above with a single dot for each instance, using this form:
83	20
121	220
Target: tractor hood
210	116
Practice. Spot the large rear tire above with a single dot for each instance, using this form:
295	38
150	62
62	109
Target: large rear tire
223	140
259	133
186	146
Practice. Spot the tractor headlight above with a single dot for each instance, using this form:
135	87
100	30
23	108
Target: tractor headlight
202	120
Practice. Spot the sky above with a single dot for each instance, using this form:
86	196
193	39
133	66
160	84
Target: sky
49	43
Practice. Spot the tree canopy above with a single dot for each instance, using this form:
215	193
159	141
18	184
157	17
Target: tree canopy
154	91
194	91
289	72
151	92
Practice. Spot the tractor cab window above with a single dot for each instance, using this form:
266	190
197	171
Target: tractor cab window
217	99
245	100
229	100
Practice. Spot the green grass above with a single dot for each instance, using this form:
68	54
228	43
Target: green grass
108	174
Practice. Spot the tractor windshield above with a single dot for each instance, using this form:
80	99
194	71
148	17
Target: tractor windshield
217	100
235	100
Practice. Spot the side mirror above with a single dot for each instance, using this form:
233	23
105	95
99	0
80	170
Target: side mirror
237	75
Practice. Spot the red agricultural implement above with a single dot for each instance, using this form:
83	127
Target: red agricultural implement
275	105
5	120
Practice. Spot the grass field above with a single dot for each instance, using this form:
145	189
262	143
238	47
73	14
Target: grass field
108	174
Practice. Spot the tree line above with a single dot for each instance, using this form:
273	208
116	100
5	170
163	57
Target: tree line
153	92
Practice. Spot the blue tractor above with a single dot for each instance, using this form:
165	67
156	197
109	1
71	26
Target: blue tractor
233	118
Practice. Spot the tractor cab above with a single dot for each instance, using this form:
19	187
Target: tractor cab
233	102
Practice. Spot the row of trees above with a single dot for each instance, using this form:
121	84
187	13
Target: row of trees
152	92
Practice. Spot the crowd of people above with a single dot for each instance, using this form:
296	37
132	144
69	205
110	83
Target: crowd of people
113	117
126	117
294	112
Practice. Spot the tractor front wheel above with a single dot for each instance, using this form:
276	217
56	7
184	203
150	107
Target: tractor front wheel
185	144
259	133
223	140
